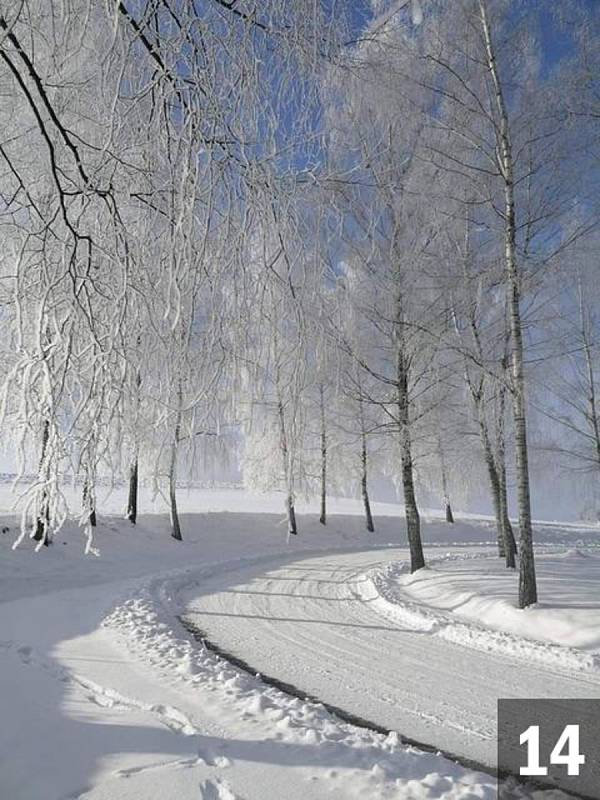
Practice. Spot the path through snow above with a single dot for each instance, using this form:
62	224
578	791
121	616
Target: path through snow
311	624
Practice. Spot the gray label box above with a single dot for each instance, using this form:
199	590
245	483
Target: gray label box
528	734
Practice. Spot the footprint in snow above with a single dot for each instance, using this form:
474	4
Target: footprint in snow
207	756
217	790
180	763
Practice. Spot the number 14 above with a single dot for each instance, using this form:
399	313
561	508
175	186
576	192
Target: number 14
569	738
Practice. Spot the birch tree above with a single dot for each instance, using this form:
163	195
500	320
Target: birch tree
500	146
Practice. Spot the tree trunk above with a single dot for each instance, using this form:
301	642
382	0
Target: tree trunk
492	471
477	391
497	505
364	466
289	502
413	521
364	485
42	523
132	501
88	503
175	526
510	546
323	515
444	475
527	579
291	515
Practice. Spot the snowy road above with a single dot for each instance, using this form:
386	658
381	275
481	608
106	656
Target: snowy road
305	624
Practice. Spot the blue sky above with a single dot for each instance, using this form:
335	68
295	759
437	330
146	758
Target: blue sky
555	42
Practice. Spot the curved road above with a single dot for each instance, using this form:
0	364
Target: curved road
305	624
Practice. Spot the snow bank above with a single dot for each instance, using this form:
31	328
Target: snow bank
471	602
382	765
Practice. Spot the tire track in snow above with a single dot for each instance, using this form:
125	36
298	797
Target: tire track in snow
336	711
306	626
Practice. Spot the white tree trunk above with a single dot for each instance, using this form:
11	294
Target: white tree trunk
527	579
364	464
283	443
323	514
413	520
444	476
175	526
42	523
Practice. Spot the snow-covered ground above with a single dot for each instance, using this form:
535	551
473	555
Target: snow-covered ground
568	613
317	624
105	695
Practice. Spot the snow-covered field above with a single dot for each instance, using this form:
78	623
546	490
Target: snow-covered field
106	696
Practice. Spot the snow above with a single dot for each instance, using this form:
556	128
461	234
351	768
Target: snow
109	697
563	628
315	623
